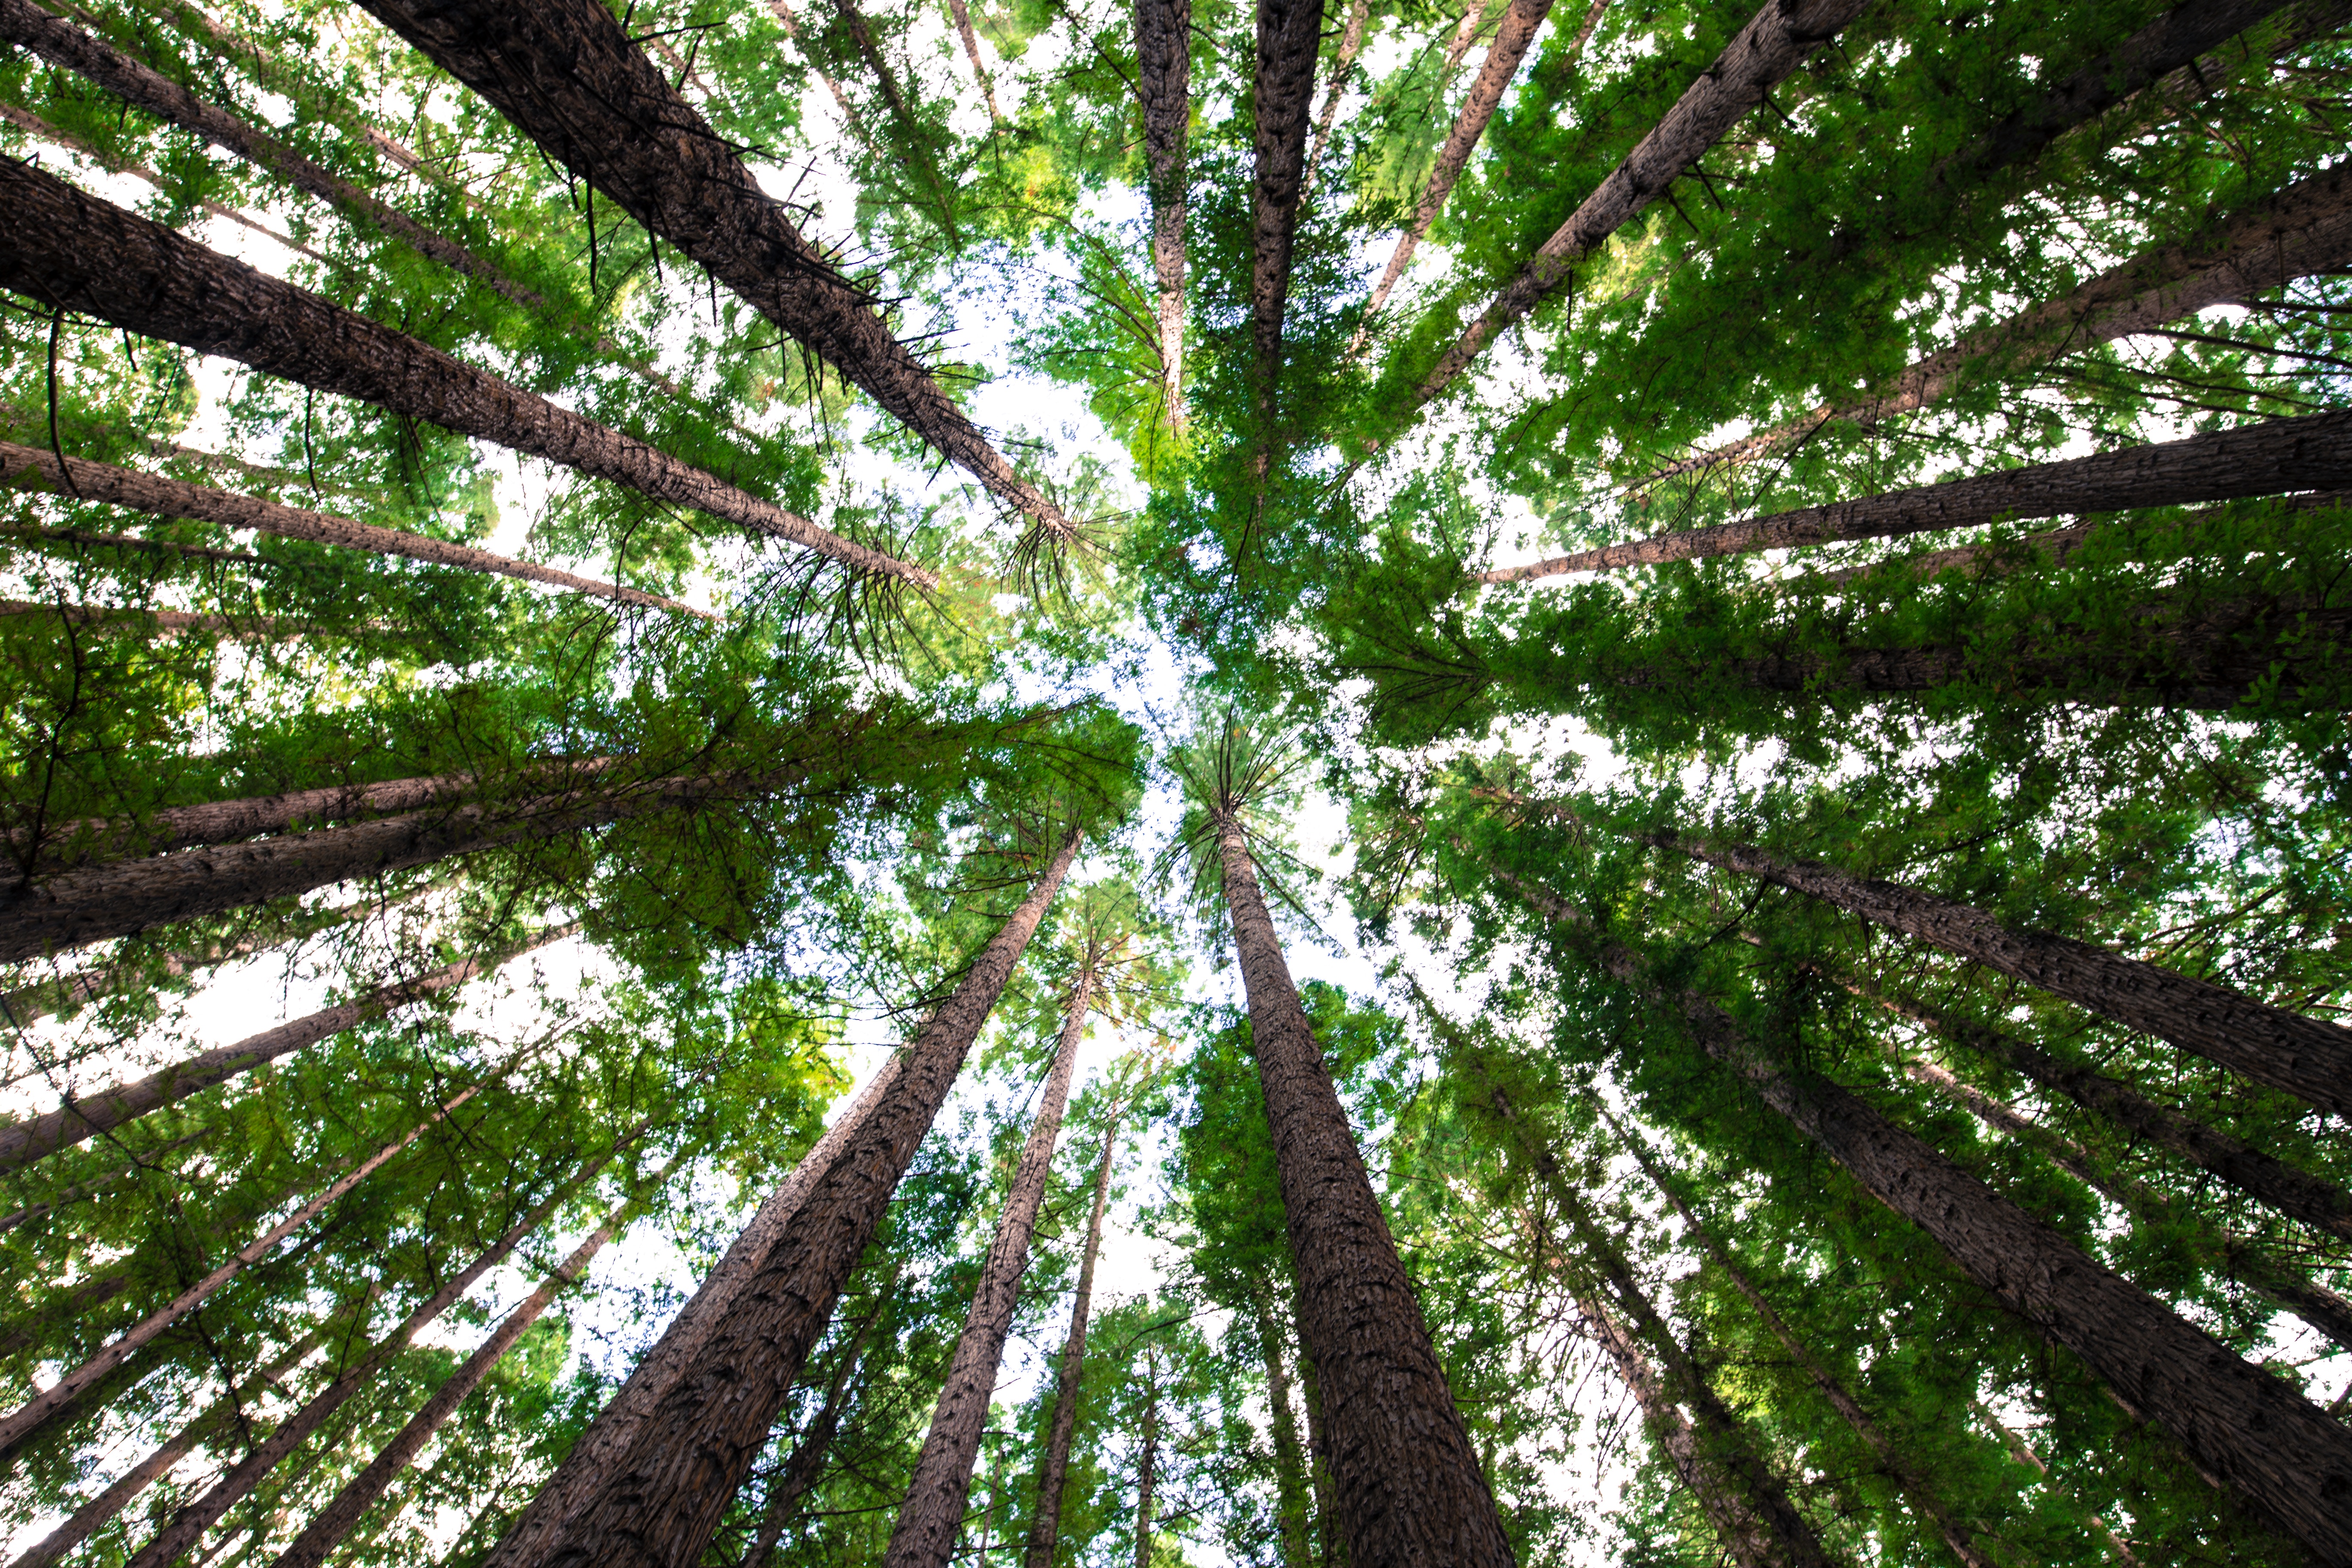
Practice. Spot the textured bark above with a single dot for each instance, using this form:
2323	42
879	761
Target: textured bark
2300	231
68	248
1053	1477
1289	36
29	1417
1146	1467
1289	1459
1410	1490
1774	43
574	1484
1164	84
161	496
807	1462
324	1533
660	1502
2289	1051
931	1517
565	72
83	1116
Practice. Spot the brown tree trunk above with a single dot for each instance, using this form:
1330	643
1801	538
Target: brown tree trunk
1053	1477
790	21
161	496
324	1533
84	1117
1289	1459
1774	43
1329	1551
565	72
931	1517
1164	83
1351	42
2310	452
2289	1051
1409	1485
962	14
657	1506
1289	36
2025	1456
807	1462
69	249
1146	1474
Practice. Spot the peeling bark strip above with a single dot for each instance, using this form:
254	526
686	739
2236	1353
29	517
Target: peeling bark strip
566	74
1289	34
1410	1490
2310	452
931	1517
64	247
1164	83
83	1117
2297	232
657	1506
1775	42
161	496
2288	1051
1045	1524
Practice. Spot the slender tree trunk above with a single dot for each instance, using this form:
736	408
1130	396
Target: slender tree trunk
1289	1460
790	21
84	1117
1289	36
962	14
1163	81
1922	1497
2288	1051
1146	1475
80	1191
1053	1477
657	1506
932	1515
2310	452
1409	1485
69	249
807	1462
161	496
326	1533
2024	1454
22	1332
1352	43
565	72
1328	1549
1775	42
914	144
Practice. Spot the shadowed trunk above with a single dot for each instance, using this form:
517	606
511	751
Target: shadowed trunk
1289	1459
801	1471
1145	1476
84	1117
2311	452
69	249
931	1517
1329	1551
1774	43
1289	36
161	496
566	74
657	1506
1045	1524
1163	85
1409	1485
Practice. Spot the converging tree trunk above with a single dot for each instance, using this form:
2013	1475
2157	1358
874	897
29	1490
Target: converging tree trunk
69	250
931	1517
658	1504
566	74
1351	42
83	1116
1053	1476
787	1490
1289	36
1163	85
80	1192
1290	1490
1410	1489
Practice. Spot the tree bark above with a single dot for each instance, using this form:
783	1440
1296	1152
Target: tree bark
2298	232
1351	42
807	1462
69	249
1329	1551
1163	82
1146	1474
161	496
2310	452
962	14
2288	1051
1409	1485
1289	36
657	1506
55	995
81	1117
931	1517
1289	1459
1053	1477
566	74
1774	43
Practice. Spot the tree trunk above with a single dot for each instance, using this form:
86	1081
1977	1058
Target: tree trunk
2310	452
1916	1488
1163	81
2025	1456
1045	1524
1289	1461
326	1533
1774	43
566	74
161	496
80	1191
1351	42
189	1524
914	146
2298	232
790	22
69	249
932	1514
962	14
807	1462
657	1506
1146	1477
2288	1051
1289	36
84	1117
35	1412
1329	1551
1409	1485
